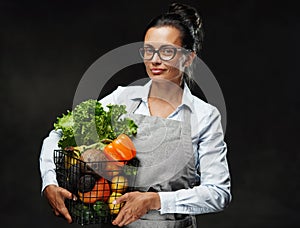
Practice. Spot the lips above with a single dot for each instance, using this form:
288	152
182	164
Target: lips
156	71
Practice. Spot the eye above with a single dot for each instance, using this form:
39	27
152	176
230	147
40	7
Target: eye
148	50
167	51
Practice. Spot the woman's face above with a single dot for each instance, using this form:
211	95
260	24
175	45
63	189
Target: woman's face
157	68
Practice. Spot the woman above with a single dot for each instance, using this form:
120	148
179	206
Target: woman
186	144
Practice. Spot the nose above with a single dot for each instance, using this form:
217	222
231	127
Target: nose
156	59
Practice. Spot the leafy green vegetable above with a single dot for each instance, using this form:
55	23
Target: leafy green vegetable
89	123
118	124
87	115
65	123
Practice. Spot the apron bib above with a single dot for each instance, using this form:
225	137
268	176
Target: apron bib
164	149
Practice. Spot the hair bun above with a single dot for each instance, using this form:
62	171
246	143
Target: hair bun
187	12
191	17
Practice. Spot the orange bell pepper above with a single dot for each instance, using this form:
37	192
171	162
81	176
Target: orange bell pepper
120	149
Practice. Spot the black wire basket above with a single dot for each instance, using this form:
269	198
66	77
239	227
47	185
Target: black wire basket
95	184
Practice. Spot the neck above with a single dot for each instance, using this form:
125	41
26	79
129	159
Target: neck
167	91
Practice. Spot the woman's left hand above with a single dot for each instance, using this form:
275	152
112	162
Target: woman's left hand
137	204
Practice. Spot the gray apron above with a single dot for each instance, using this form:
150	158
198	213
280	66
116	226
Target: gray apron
167	163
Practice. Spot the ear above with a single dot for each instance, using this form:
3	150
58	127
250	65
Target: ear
189	59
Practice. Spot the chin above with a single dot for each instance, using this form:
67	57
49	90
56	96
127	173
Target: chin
158	77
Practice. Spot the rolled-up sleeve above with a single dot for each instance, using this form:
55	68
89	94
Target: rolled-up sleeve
213	193
47	166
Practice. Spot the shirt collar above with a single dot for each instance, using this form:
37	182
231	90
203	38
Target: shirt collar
141	93
187	98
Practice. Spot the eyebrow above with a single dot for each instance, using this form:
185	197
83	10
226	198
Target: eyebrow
164	45
148	45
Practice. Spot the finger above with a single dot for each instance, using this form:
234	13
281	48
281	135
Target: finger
68	194
125	216
118	219
56	212
121	199
64	211
129	220
121	215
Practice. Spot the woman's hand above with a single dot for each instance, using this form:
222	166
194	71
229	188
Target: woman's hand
56	197
137	204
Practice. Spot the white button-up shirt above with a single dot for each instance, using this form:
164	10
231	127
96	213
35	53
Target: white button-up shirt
213	193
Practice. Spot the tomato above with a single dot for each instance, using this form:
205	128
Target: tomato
122	148
101	191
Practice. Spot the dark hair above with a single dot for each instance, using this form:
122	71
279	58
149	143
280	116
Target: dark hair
187	20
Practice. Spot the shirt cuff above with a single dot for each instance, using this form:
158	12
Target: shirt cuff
170	204
167	202
48	179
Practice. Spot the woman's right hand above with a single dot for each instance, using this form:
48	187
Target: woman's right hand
56	197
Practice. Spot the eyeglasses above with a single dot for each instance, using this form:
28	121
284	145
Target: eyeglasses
165	53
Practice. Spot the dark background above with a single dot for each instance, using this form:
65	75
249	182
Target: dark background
250	46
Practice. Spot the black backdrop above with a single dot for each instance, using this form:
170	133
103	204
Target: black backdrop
250	46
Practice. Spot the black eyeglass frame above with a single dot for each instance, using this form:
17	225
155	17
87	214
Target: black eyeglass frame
142	51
